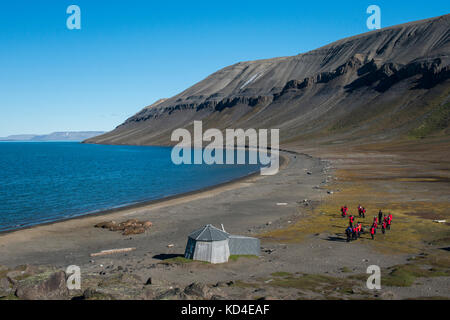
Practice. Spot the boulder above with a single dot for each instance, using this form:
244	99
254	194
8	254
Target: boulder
147	224
197	289
6	286
40	287
388	295
171	294
92	294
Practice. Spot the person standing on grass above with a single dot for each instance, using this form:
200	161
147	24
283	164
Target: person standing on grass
351	219
383	227
344	211
389	221
380	216
375	222
372	232
354	233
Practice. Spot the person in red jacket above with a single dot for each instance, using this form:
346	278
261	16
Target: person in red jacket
363	212
383	227
389	221
351	219
355	233
359	227
372	232
359	211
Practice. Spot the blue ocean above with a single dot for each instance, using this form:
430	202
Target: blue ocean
48	181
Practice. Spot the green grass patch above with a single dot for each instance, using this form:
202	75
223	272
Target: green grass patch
281	274
405	275
437	120
180	261
242	284
313	282
9	297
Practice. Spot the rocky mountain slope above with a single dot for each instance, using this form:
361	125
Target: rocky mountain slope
382	84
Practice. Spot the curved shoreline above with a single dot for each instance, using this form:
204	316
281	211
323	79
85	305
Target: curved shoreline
169	200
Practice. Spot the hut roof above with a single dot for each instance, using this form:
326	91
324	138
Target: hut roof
209	233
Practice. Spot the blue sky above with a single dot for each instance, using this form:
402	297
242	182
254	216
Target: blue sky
130	53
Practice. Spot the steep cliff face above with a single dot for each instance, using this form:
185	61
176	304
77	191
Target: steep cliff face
375	85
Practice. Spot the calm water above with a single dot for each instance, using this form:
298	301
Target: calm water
42	182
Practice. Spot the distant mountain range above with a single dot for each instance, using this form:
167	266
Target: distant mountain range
389	83
55	136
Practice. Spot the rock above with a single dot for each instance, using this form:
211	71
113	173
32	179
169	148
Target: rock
220	284
6	286
147	224
52	288
171	294
149	294
130	226
133	230
106	224
117	227
130	222
197	289
121	280
92	294
148	282
388	295
21	272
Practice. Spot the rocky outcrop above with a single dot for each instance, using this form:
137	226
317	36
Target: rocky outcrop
52	287
131	226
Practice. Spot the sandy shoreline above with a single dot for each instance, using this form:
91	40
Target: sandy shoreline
31	233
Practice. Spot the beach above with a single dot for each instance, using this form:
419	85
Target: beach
300	237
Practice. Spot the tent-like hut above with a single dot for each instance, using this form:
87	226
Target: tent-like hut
208	244
240	245
215	246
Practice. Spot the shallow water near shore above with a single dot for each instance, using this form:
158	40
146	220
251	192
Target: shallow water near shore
49	181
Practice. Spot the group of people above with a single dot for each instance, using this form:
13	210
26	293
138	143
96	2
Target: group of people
354	230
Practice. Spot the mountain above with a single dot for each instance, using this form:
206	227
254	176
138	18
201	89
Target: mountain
382	84
55	136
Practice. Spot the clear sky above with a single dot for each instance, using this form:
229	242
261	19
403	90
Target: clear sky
130	53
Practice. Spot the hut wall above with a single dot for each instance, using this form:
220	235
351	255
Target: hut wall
240	245
213	252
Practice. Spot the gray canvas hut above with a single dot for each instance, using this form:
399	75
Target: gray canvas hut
240	245
215	246
208	244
